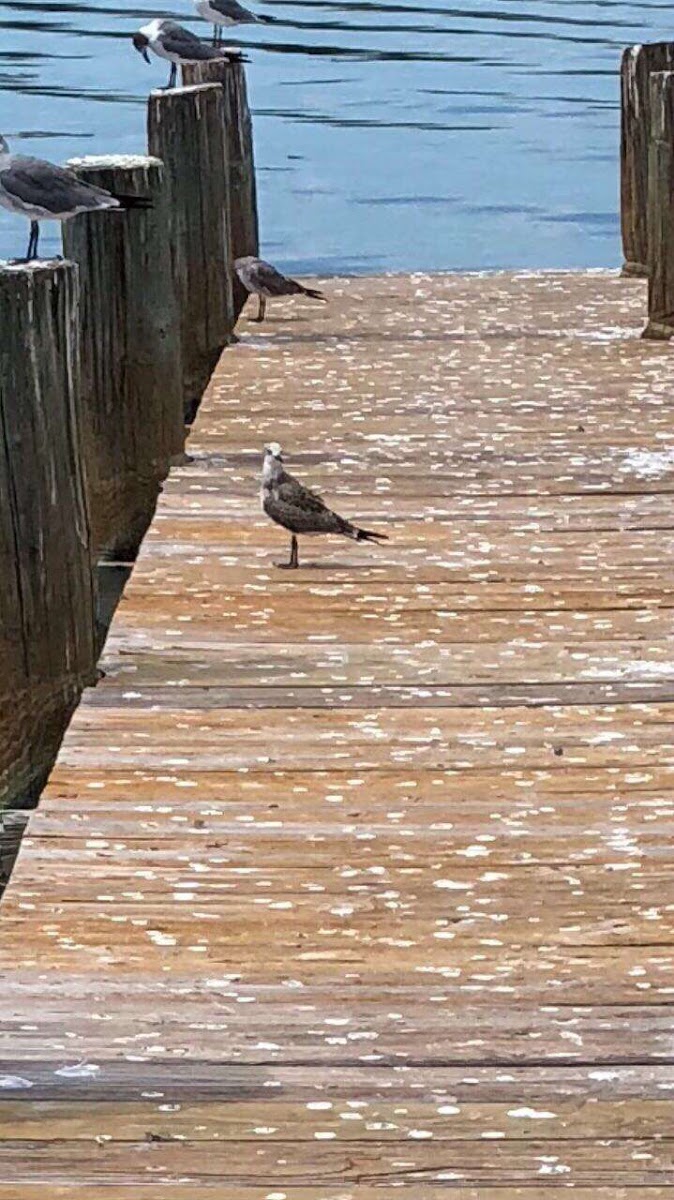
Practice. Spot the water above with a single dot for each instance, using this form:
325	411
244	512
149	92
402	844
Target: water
389	136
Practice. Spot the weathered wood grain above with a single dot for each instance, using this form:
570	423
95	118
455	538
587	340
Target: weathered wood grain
186	132
363	1191
660	208
47	652
358	882
242	190
638	64
12	824
279	1164
132	415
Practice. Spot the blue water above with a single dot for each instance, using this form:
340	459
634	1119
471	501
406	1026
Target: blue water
389	136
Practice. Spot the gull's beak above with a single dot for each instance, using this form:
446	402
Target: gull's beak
141	46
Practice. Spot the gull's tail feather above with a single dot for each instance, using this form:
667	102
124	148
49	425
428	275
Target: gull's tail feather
366	535
230	56
128	202
314	294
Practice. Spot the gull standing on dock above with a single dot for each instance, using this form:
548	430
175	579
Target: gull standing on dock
300	510
169	40
42	191
261	279
226	12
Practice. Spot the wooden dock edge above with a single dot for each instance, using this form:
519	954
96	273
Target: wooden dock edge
122	338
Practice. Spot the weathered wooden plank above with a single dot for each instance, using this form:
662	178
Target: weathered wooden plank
328	1035
344	741
197	1081
355	1120
223	664
366	616
130	350
47	652
360	1191
632	1162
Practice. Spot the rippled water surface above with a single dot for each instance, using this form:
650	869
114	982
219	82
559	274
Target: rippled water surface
389	136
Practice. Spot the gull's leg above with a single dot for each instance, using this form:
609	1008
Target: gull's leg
262	309
34	237
294	557
31	252
172	76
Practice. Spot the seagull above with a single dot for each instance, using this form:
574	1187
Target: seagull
300	510
226	12
261	279
42	191
168	39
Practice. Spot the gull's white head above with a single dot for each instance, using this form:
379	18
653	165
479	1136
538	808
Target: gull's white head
275	450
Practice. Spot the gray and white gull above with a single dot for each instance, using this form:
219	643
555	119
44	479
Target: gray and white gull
261	279
42	191
223	13
171	41
290	504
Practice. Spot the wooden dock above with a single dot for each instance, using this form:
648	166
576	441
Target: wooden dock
357	881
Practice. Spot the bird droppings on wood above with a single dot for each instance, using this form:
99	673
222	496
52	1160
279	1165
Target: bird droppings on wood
312	884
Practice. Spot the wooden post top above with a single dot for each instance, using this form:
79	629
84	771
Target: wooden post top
211	70
117	162
170	94
37	267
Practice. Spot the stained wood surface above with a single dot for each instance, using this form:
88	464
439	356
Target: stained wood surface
357	881
132	401
638	64
661	208
186	131
47	650
242	185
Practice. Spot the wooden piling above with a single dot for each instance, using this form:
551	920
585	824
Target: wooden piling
12	825
186	131
243	217
130	349
661	208
638	63
47	650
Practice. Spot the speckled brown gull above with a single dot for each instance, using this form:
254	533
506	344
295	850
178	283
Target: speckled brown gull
41	190
261	279
290	504
169	40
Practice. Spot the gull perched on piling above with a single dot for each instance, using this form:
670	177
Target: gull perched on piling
169	40
261	279
300	510
42	191
226	12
